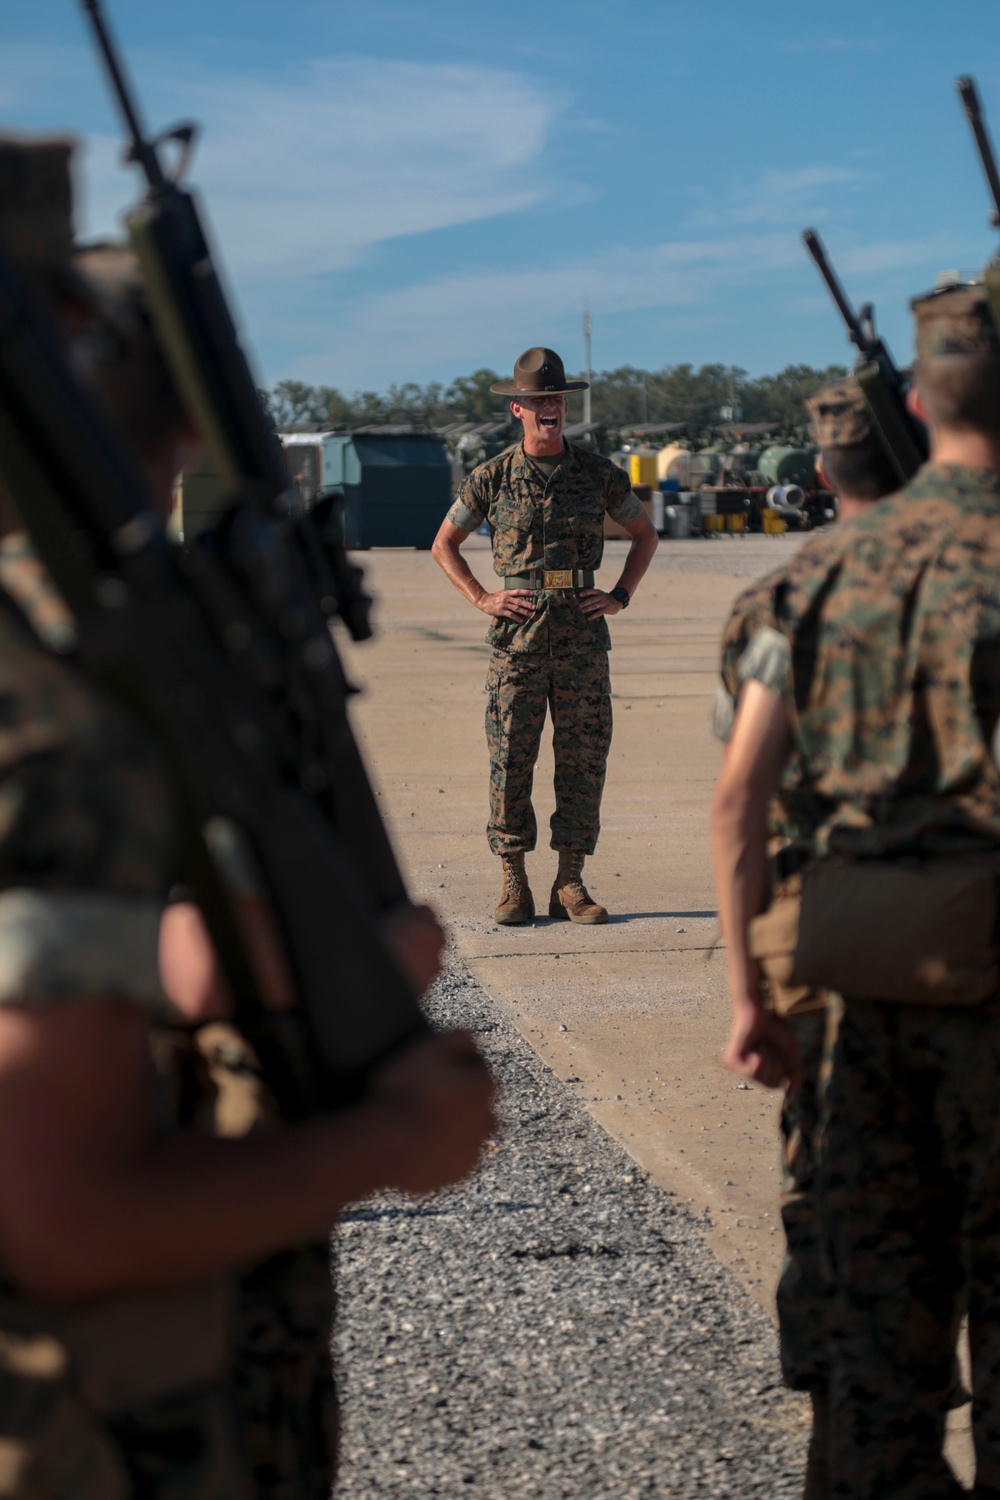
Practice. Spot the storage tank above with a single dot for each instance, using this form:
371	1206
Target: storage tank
788	466
674	462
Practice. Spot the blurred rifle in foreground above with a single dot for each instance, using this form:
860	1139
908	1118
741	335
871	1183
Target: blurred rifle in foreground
167	651
902	437
269	556
969	95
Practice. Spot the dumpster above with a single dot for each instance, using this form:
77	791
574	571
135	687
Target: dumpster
396	481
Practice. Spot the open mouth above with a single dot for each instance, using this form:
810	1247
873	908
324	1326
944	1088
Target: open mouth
551	424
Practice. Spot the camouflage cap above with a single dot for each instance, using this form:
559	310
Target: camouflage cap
839	415
36	197
955	320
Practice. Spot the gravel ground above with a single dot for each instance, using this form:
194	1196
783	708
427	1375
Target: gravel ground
556	1328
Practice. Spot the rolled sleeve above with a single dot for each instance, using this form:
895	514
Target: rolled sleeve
470	510
59	946
623	504
767	660
464	517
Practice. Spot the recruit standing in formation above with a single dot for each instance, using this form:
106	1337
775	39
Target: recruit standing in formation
128	1211
890	703
854	465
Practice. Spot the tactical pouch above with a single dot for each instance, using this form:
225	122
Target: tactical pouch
772	938
915	932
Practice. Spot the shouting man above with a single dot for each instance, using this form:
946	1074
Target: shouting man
545	501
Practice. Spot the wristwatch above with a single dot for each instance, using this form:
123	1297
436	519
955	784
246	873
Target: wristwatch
622	595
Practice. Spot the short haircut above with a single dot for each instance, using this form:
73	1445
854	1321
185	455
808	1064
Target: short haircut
961	391
116	343
862	471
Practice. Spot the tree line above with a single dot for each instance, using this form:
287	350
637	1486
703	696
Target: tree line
700	399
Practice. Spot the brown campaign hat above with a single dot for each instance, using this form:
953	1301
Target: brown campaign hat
538	372
955	320
36	197
839	415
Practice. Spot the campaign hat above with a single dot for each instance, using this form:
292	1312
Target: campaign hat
838	414
538	372
955	319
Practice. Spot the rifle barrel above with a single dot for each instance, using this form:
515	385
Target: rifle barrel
143	150
814	245
969	95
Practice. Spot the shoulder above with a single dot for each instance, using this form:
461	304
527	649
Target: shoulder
493	469
596	467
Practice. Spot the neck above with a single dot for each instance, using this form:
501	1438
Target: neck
849	506
965	447
544	447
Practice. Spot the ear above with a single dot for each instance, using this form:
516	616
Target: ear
515	407
915	405
822	475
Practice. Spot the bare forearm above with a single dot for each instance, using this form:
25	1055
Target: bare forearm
447	555
195	1206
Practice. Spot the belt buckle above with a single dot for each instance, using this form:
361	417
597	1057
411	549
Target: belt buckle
558	578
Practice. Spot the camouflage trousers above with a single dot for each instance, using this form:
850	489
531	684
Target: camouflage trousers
283	1374
910	1184
803	1293
577	691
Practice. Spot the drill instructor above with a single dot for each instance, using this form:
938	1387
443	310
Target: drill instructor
545	502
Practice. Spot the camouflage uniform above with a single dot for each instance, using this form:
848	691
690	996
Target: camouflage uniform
129	1396
754	647
558	657
895	702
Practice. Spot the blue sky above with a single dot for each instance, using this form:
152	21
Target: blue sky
412	191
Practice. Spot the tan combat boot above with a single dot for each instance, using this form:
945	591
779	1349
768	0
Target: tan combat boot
517	904
570	898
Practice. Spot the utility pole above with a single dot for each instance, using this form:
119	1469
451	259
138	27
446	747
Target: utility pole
586	360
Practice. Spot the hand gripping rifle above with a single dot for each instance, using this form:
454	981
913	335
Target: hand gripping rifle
902	437
288	576
969	95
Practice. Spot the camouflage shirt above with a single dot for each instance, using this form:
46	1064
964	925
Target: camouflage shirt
756	646
126	1393
547	521
86	814
895	697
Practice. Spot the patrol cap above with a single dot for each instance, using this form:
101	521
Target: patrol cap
839	415
955	320
36	197
538	372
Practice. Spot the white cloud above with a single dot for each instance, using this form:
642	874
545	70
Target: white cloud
304	174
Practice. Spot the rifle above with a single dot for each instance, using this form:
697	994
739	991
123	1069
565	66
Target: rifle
268	558
902	437
969	95
165	649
